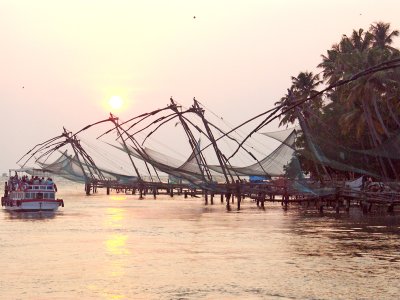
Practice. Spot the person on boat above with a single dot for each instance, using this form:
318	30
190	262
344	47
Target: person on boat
21	186
14	182
36	180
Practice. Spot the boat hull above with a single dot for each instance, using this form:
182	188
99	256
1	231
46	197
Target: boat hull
32	205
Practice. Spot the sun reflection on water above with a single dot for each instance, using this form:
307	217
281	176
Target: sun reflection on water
115	217
116	248
116	244
118	197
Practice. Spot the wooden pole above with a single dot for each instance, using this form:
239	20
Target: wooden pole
87	189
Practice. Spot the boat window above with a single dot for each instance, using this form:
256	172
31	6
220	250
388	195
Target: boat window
51	196
27	195
36	187
45	196
49	187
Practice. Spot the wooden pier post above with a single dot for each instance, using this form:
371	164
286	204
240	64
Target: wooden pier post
347	205
186	194
205	197
228	200
222	198
321	208
212	199
154	192
238	193
285	197
262	200
87	189
363	204
108	190
337	201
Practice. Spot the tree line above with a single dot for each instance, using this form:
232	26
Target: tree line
351	128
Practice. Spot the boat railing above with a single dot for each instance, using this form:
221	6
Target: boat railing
24	186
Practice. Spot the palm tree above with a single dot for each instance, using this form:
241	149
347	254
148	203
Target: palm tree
286	102
365	99
382	36
330	65
364	113
361	40
303	86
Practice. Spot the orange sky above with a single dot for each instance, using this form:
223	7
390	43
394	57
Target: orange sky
61	61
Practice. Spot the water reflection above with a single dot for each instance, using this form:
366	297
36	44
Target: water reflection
31	216
112	248
116	244
115	216
372	237
116	248
118	197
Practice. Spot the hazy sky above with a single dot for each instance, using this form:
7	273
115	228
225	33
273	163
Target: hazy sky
61	61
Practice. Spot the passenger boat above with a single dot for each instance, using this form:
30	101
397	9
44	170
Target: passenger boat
22	194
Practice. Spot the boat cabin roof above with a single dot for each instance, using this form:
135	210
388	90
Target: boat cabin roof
31	171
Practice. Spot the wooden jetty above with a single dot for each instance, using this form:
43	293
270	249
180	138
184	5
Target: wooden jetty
339	198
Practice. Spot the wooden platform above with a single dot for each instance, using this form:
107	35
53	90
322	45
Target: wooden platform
335	197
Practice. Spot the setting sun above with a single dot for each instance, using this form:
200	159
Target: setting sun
115	102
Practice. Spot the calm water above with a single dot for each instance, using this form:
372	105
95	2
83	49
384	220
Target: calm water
119	247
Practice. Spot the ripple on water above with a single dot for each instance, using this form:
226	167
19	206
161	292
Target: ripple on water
100	247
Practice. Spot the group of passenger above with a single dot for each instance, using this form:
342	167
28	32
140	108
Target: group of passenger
16	183
369	184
